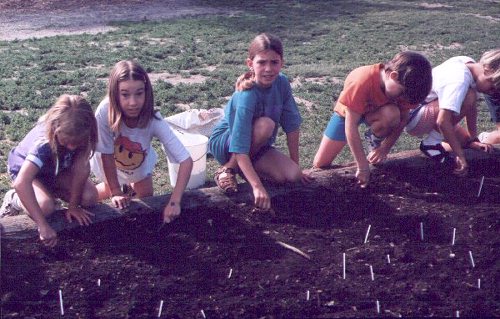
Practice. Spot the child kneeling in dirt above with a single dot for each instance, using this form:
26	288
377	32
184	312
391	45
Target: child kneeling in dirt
242	141
127	123
51	162
380	96
455	86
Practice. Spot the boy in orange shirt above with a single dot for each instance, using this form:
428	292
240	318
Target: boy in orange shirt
380	96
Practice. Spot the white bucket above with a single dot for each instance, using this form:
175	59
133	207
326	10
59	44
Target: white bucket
196	145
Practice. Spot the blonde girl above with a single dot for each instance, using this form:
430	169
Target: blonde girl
51	162
127	123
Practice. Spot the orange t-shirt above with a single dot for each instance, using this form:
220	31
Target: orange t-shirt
363	92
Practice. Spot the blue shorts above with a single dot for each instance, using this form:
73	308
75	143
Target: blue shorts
493	104
335	130
219	147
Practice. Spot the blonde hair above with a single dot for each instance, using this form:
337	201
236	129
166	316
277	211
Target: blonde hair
71	116
491	63
123	71
260	43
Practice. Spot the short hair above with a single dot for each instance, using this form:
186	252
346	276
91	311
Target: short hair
414	74
71	116
261	43
123	71
491	63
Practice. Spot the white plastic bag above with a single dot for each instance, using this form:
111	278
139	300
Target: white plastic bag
198	121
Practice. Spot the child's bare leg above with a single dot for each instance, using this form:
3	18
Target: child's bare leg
384	120
44	198
278	167
327	151
103	191
262	130
143	188
90	197
492	137
78	177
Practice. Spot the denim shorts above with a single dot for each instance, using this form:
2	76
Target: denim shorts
335	130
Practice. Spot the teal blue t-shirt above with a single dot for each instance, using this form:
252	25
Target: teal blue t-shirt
275	102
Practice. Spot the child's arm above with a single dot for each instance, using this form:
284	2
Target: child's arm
24	189
445	125
354	140
262	199
173	207
119	199
292	140
379	154
471	121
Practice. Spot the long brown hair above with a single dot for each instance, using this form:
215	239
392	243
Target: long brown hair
123	71
71	116
260	43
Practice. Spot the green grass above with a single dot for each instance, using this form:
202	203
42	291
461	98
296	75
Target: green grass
322	39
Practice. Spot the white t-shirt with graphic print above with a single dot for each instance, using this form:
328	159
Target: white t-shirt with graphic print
134	155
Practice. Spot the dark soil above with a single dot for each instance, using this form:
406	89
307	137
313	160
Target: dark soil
187	264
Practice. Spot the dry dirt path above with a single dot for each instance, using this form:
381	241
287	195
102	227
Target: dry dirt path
24	19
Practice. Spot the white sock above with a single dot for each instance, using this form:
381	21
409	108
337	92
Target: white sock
483	136
16	202
433	138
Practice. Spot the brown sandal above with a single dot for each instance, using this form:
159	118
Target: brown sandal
225	178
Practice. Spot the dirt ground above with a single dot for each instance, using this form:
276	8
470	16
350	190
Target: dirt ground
226	262
23	19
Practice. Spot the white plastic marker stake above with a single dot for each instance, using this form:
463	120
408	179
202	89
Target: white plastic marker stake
471	259
457	314
307	295
479	283
343	265
367	233
371	273
422	231
480	186
203	314
61	302
161	308
99	282
453	238
230	273
378	306
388	259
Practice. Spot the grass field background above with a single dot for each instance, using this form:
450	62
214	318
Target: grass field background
323	41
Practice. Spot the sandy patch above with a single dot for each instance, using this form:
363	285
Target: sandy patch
175	79
93	18
434	5
299	81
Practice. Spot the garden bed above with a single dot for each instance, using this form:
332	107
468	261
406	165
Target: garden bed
224	260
